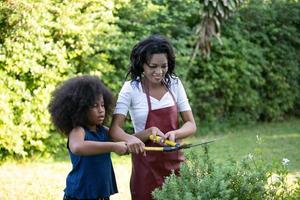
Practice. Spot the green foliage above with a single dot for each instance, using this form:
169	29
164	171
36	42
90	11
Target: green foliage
43	43
279	43
227	86
214	12
200	179
255	74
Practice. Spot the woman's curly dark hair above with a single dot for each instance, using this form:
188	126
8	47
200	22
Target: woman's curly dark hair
142	53
72	99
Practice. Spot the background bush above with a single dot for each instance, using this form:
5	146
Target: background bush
249	179
253	76
41	44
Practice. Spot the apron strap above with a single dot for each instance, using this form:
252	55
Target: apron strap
148	97
172	96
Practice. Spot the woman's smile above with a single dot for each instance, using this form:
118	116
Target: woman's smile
157	67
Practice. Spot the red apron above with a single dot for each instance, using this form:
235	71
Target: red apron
148	172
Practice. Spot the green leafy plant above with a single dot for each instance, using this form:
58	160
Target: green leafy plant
213	14
41	44
202	179
254	75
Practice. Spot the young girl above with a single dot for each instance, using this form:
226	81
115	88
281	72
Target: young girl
154	98
78	109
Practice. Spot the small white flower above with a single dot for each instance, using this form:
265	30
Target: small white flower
258	138
250	156
285	161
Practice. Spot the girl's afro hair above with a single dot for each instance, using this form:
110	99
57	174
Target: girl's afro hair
72	99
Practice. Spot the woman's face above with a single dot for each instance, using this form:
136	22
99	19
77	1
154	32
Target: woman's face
156	69
96	113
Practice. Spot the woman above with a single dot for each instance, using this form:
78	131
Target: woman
153	97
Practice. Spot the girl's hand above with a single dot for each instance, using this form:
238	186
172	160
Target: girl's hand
135	145
156	132
120	148
171	135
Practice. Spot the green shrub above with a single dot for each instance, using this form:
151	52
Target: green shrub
202	179
254	75
41	44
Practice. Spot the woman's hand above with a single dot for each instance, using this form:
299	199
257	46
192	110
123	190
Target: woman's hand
120	148
171	135
156	132
135	145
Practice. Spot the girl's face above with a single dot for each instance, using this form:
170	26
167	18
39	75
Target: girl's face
96	113
156	69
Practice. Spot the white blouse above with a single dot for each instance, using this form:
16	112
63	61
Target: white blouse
133	99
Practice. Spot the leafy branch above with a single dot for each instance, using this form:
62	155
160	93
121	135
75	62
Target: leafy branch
214	12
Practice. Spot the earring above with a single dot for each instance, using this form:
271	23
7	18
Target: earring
143	74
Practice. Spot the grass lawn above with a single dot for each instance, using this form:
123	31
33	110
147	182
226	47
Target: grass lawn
45	180
275	141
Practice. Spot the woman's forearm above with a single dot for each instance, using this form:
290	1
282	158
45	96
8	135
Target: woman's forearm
142	135
186	130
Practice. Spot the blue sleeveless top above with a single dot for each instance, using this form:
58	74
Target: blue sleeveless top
93	176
